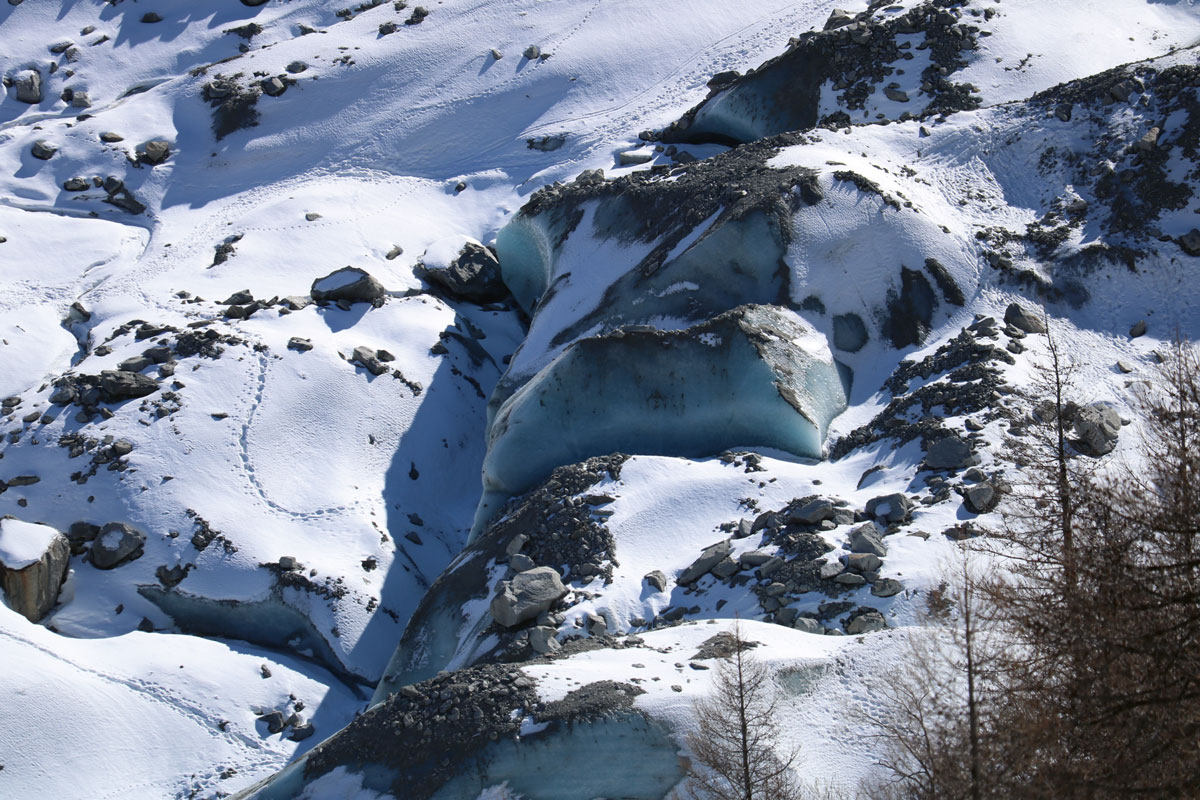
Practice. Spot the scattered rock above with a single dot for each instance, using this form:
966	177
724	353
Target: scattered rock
812	512
628	158
887	587
76	184
369	360
118	543
865	620
532	52
981	498
1138	329
273	87
299	344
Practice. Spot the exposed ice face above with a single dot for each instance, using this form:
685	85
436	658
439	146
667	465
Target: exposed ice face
755	376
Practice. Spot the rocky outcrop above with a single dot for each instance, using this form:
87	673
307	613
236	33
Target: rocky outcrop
33	565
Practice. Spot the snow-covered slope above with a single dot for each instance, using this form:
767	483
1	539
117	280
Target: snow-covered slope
300	479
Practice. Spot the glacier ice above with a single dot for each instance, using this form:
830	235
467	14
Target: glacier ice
754	376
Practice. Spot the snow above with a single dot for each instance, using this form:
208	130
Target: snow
24	543
373	486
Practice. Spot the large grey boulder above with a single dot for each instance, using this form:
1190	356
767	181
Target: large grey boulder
1097	427
949	452
33	566
866	539
866	621
812	512
981	498
348	283
526	596
711	556
1023	319
891	508
29	87
118	385
117	544
473	275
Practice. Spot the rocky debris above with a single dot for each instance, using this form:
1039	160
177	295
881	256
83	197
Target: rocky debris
33	566
29	87
950	452
474	275
118	543
43	150
854	54
526	596
866	539
1097	427
154	152
722	645
1024	320
709	558
350	284
892	509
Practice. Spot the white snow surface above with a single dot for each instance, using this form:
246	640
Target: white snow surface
371	485
24	543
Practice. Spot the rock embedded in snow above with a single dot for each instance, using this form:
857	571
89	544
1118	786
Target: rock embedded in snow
887	587
117	544
709	558
154	152
630	158
526	596
532	52
43	150
981	497
892	508
865	620
950	452
1098	428
1138	329
471	274
29	87
657	579
33	565
1023	319
866	539
350	284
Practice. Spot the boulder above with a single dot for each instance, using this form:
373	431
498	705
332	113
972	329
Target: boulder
1190	242
521	562
526	596
29	87
473	275
949	452
887	587
866	622
866	539
532	52
33	566
838	19
892	508
117	544
1097	427
154	152
1024	320
348	283
369	360
543	639
43	150
656	579
863	562
709	558
981	498
808	625
118	385
812	512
